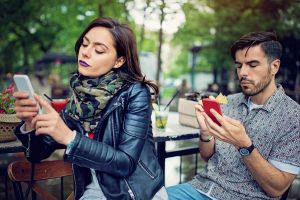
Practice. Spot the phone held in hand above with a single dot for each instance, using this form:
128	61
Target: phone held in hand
23	84
211	104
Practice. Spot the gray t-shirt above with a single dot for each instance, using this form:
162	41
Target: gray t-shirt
273	128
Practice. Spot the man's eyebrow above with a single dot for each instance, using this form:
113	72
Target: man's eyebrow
253	62
96	43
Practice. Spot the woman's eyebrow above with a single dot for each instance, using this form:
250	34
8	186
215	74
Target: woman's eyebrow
100	44
96	43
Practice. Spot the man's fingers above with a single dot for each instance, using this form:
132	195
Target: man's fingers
199	108
232	121
217	116
211	124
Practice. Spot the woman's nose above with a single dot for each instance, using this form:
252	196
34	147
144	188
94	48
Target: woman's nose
86	52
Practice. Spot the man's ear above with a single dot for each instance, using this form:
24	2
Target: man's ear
275	66
119	62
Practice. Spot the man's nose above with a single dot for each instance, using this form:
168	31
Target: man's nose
244	70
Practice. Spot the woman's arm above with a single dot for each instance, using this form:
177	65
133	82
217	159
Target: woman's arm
36	147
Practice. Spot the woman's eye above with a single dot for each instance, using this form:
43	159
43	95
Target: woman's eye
99	52
84	45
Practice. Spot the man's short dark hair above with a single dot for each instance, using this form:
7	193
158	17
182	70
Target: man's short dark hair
267	40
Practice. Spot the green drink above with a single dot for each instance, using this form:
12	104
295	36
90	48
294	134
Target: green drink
161	119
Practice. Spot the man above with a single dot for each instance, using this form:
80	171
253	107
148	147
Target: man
255	153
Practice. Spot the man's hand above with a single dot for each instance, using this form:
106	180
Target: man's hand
50	123
200	118
231	131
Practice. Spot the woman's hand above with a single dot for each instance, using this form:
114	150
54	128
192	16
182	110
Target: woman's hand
26	109
50	123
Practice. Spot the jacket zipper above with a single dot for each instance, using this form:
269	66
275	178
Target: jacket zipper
103	117
113	135
130	190
28	146
144	168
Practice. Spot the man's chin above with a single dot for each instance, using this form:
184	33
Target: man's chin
247	92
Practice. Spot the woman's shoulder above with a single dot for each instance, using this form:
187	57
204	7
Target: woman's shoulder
138	87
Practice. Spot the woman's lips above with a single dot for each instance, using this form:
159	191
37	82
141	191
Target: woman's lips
84	64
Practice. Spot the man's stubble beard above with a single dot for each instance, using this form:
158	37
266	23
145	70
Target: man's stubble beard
260	86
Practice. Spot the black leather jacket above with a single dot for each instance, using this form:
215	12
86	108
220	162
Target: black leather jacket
122	152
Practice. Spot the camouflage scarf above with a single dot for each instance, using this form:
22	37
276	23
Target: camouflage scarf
90	96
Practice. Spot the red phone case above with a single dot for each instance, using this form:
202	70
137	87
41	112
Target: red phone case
211	103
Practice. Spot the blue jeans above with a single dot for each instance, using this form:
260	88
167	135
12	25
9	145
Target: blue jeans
185	191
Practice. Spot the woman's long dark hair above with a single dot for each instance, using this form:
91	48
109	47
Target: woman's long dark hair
125	45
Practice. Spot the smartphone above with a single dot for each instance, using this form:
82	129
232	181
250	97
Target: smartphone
23	84
211	103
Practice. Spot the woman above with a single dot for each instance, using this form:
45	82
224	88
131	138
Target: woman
106	126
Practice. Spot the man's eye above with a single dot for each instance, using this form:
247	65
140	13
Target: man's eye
253	65
237	65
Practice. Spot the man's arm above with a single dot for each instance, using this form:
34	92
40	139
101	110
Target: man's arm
206	146
272	180
206	140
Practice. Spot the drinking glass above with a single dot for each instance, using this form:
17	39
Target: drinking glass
161	117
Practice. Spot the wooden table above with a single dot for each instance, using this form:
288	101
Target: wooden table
174	132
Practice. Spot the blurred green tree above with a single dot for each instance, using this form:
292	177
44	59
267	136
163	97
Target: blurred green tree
217	24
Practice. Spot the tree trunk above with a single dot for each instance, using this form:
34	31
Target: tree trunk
142	35
160	40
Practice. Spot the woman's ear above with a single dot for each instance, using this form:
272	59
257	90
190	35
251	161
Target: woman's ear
275	66
119	62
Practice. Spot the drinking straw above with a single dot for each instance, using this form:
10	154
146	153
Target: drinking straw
158	102
176	93
49	98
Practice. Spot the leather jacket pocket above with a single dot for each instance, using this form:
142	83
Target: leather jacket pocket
146	170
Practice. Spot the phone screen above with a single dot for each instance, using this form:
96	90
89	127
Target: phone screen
23	84
211	104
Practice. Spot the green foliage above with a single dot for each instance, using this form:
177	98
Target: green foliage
31	28
217	24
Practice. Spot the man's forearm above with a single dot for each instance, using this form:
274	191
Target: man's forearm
273	181
206	148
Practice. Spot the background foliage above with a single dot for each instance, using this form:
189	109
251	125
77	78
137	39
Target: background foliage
31	28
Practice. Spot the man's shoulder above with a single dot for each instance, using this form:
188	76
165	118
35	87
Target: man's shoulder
289	105
236	98
290	102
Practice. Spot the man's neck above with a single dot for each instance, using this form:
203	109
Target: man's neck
264	95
